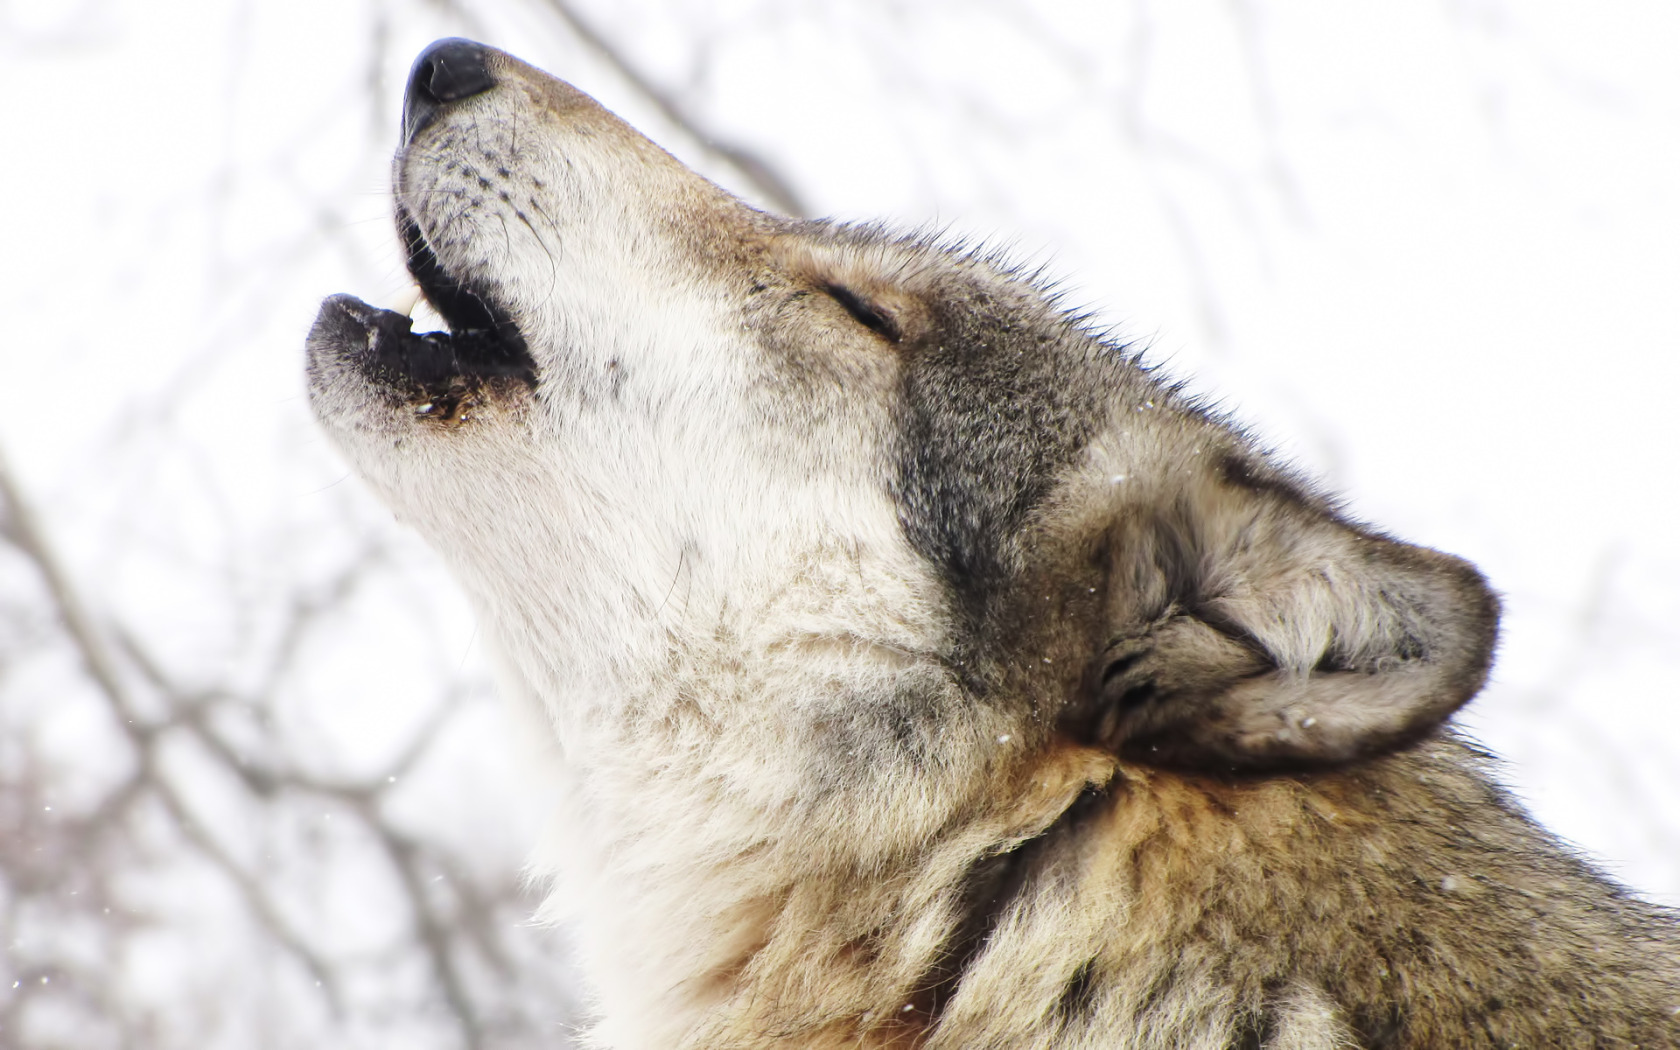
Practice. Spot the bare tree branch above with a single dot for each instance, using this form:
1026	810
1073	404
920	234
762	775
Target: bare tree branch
405	855
96	657
752	168
26	533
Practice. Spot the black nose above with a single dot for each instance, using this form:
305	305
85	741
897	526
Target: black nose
448	71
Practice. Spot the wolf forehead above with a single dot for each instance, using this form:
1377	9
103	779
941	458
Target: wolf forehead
1112	556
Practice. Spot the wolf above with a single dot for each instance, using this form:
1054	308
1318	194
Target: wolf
921	668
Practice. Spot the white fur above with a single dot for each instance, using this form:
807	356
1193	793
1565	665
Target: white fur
674	547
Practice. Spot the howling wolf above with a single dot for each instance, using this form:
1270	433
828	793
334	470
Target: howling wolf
921	668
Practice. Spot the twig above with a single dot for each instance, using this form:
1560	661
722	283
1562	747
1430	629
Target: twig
751	167
26	533
405	856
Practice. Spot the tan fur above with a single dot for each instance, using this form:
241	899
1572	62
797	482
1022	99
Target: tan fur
920	670
1188	896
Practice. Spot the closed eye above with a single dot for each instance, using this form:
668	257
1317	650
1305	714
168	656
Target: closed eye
864	312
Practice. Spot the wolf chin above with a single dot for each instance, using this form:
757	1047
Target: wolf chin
922	669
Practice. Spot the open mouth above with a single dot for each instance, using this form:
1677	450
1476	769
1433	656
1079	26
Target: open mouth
483	341
444	374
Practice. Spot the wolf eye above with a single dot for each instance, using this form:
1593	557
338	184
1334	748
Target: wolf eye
864	312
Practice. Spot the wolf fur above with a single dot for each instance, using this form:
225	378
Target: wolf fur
922	669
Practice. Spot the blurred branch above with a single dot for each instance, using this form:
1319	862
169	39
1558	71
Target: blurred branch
25	532
255	896
754	169
405	855
454	921
358	796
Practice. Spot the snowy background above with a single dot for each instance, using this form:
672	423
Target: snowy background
254	784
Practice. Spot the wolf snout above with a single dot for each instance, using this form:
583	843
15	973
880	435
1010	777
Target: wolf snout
448	71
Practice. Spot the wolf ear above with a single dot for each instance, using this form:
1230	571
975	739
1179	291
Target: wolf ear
1251	627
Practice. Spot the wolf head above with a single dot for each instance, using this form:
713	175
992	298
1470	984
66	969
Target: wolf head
877	499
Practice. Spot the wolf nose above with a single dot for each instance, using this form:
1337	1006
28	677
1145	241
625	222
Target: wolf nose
448	71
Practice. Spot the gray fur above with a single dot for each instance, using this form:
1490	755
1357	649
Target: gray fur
921	669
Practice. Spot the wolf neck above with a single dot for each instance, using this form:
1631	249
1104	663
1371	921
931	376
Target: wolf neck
708	915
686	836
716	764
